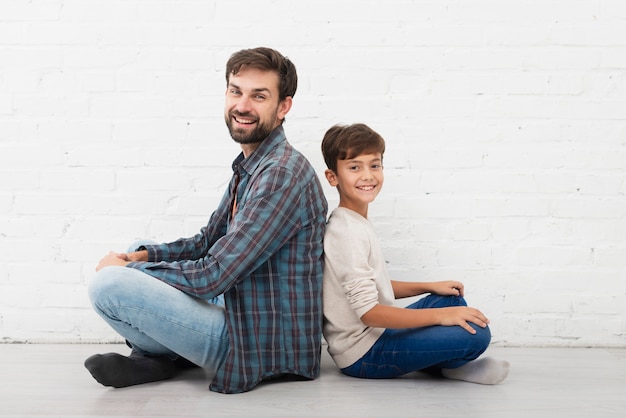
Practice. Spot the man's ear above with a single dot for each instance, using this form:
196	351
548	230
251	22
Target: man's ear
331	177
284	107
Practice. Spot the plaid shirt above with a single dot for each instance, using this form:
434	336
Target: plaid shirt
266	260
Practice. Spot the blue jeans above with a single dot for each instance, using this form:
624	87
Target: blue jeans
401	351
158	319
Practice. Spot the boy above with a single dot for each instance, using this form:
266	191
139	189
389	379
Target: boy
367	336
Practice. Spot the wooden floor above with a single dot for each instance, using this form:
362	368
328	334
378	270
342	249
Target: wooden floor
50	381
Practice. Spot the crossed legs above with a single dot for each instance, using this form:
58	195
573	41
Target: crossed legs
160	323
452	351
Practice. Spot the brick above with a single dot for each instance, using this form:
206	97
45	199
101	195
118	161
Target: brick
504	164
36	10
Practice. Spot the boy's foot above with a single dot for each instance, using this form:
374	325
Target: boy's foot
113	369
486	371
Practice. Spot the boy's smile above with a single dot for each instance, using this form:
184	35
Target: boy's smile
358	180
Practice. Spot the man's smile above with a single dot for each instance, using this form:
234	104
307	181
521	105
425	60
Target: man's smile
243	119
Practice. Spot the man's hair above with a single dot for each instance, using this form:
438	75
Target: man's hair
342	142
266	59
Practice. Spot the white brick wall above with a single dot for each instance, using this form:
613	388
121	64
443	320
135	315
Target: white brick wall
505	124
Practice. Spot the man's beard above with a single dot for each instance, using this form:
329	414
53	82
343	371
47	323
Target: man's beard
242	136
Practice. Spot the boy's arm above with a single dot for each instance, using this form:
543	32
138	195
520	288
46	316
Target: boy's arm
445	288
383	316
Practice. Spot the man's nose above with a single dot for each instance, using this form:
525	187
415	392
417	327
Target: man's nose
243	104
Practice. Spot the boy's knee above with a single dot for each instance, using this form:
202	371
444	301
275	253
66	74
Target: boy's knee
483	337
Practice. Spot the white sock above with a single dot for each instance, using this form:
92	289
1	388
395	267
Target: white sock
486	371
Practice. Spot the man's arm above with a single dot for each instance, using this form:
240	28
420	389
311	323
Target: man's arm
137	256
121	259
263	223
182	249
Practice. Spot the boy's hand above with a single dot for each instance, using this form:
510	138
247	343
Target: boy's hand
447	288
462	316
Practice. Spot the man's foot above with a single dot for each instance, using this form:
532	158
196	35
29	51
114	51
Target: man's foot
182	363
486	371
113	369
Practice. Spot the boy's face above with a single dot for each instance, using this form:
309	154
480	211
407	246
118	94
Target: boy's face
358	180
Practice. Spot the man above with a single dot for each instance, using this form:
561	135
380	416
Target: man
261	251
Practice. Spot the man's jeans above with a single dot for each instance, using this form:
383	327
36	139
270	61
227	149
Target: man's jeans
158	319
401	351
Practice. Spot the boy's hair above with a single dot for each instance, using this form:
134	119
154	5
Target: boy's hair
342	142
266	59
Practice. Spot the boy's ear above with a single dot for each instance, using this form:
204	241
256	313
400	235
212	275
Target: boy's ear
331	177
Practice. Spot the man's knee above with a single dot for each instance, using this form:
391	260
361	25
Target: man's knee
105	282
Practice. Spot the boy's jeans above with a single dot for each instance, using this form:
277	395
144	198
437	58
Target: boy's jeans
401	351
158	319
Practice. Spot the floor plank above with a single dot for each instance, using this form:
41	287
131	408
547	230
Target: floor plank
50	381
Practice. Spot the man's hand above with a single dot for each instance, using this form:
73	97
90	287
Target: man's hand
121	259
113	259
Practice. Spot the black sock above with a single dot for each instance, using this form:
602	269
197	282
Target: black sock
182	363
113	369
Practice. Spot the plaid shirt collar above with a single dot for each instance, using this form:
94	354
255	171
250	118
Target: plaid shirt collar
250	164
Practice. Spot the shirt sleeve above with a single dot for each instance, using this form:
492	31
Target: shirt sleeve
346	251
266	219
190	248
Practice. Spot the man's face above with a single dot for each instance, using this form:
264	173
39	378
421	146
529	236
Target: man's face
253	109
